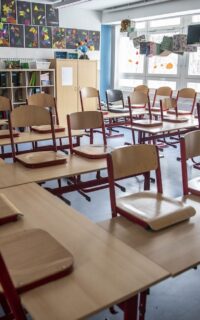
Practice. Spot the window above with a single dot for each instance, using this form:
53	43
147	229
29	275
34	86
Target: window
130	61
165	22
129	84
194	63
196	18
194	85
162	65
140	25
155	84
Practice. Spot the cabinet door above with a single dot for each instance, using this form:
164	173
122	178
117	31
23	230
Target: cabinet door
87	77
66	81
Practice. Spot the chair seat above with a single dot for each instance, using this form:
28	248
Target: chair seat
194	185
175	119
8	212
138	106
154	210
180	112
157	109
147	123
41	159
118	110
47	128
93	151
6	134
33	257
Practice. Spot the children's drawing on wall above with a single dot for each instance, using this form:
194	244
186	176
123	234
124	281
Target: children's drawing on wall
16	36
58	38
51	16
8	11
38	14
24	12
4	35
45	36
94	37
31	37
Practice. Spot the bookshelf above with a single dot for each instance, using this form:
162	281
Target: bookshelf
18	84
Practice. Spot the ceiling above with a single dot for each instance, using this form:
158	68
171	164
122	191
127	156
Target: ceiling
101	4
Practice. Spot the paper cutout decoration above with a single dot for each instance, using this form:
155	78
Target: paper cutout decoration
8	11
72	38
94	38
45	37
24	12
136	41
51	16
58	38
179	43
31	37
169	66
4	35
38	14
16	35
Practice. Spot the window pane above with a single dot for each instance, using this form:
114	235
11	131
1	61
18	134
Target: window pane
140	25
194	63
165	22
162	65
196	18
194	85
130	61
155	84
130	83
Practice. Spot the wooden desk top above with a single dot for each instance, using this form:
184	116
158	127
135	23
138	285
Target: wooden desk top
176	248
167	126
136	112
106	271
16	174
34	136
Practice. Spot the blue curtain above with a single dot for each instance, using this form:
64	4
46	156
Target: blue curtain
105	73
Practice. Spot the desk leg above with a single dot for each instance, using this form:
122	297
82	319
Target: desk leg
130	308
142	305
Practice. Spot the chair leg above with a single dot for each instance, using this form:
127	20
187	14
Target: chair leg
130	308
142	305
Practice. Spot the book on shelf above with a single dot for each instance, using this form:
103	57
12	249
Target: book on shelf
32	81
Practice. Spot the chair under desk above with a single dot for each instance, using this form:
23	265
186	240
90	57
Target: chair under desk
106	271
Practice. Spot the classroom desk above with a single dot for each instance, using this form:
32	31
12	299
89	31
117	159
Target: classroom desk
14	174
26	137
176	248
106	271
167	129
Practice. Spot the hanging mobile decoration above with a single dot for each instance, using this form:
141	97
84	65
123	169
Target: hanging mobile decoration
169	66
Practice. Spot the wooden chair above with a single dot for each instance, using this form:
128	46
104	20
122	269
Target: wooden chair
5	108
46	101
90	99
30	267
149	209
168	104
143	90
160	92
88	120
190	148
185	93
28	116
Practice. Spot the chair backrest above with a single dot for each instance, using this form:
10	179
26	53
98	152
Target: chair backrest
27	116
113	95
85	120
5	104
142	88
90	99
43	100
162	92
134	160
188	93
191	141
10	292
167	104
138	98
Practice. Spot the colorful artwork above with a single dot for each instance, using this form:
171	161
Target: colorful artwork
24	12
94	37
71	39
8	11
16	35
58	38
31	37
45	37
51	16
4	35
38	14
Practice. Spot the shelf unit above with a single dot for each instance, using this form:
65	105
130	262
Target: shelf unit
18	84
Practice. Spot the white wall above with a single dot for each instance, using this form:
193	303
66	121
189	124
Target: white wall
69	18
174	6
